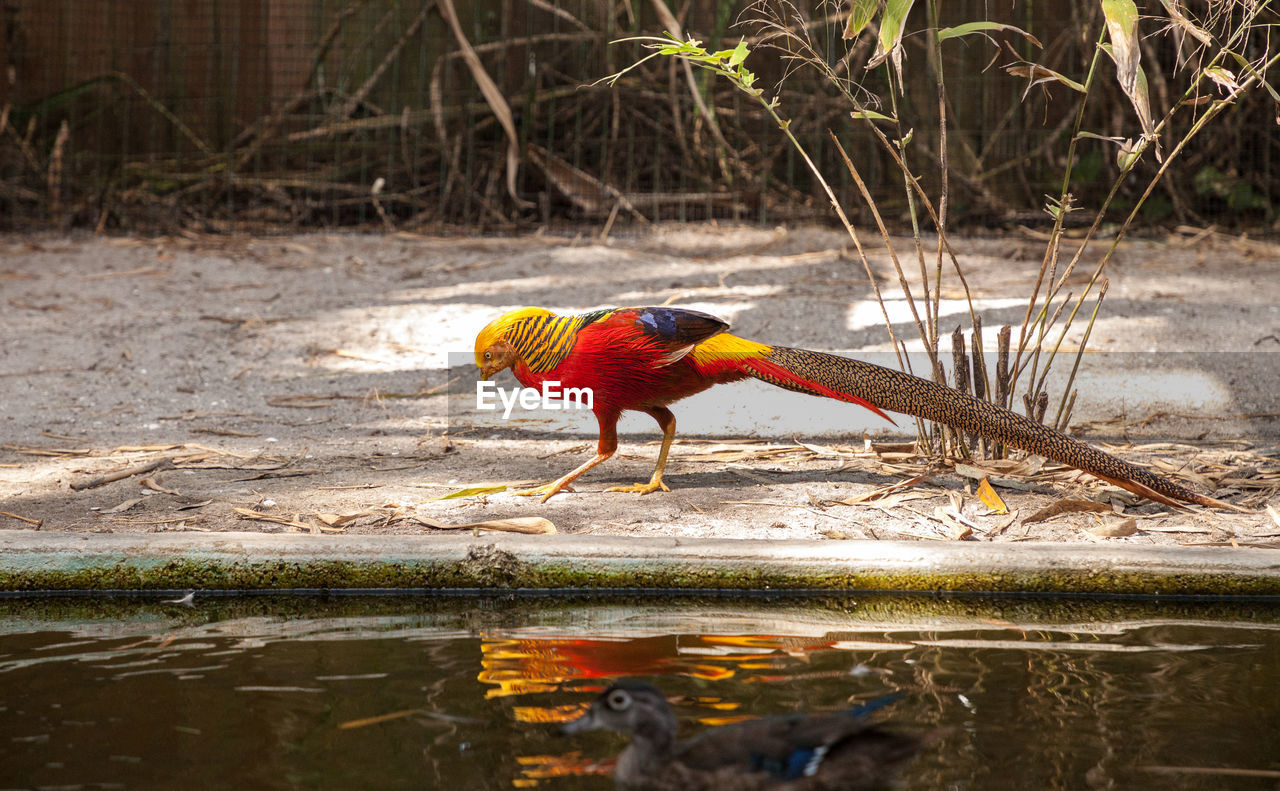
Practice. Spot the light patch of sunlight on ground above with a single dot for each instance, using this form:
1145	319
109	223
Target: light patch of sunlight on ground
688	298
867	313
615	273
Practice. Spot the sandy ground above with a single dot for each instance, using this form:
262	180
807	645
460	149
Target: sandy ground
306	381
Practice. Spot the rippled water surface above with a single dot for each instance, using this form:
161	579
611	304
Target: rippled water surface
389	693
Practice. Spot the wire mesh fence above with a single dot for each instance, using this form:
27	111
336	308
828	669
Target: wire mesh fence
220	115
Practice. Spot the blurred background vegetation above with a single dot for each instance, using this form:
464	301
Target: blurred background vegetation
489	116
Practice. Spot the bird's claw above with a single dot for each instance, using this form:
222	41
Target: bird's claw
547	490
640	488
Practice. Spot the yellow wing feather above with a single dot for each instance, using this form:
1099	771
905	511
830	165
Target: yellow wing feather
728	347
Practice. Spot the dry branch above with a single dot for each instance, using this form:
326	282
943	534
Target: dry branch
158	464
492	95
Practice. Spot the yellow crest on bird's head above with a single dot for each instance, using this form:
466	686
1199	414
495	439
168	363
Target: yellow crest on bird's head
498	329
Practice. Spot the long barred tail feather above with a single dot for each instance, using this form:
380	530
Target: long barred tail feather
776	370
877	388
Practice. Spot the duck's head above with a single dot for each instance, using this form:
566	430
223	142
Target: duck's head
494	353
628	707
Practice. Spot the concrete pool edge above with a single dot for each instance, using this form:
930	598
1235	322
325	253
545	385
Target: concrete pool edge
36	561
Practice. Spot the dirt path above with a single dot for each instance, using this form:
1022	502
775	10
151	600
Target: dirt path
306	380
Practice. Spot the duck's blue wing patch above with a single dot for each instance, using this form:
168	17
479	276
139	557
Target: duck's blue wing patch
800	762
809	740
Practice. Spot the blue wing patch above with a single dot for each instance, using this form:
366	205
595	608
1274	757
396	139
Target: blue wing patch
804	763
805	760
800	762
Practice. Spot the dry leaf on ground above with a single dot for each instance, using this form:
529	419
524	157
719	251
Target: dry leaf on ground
533	525
154	485
1126	527
125	506
990	499
337	520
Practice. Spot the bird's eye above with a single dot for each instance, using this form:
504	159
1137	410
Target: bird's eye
619	700
488	355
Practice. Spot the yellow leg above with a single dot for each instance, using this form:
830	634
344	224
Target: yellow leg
605	448
668	423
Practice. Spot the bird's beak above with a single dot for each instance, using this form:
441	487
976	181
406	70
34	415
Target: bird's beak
587	722
485	374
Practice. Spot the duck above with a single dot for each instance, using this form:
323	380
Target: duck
790	752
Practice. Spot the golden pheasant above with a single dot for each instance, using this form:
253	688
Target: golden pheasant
645	359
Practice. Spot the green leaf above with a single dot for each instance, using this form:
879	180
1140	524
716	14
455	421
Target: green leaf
1123	13
1247	68
871	115
982	27
1129	154
1038	74
1096	136
1122	29
739	53
860	14
1223	77
892	25
471	492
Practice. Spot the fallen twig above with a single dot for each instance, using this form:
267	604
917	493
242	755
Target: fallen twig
28	520
34	451
258	516
158	464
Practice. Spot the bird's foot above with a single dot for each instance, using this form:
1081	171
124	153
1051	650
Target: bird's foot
547	490
640	488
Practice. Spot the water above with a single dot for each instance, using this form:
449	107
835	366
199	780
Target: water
457	693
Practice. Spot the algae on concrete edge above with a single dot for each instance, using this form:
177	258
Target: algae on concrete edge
503	570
